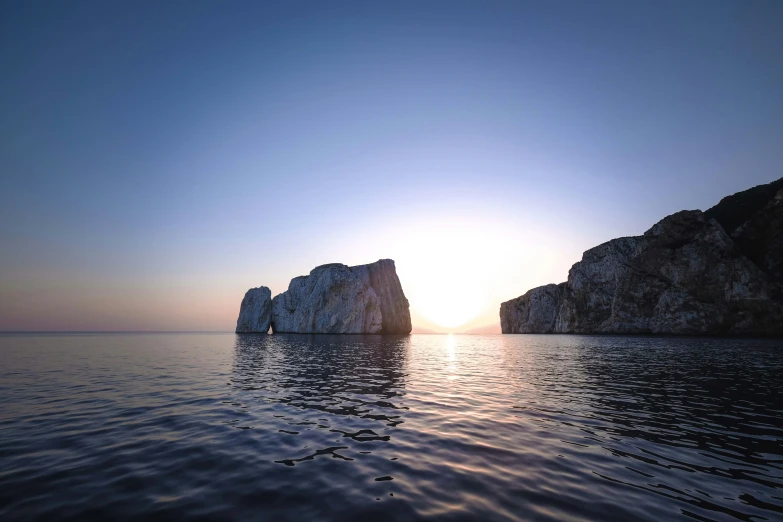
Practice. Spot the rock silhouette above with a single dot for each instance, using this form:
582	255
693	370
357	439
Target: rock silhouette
687	275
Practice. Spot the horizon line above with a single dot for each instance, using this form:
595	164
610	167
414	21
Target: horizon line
200	332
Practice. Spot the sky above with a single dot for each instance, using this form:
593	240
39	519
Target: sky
157	159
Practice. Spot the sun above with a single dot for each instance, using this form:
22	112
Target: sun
451	266
445	303
443	274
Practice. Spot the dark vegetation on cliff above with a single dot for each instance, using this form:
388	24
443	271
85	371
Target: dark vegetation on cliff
732	211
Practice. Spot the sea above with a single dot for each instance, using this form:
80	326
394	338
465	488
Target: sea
194	426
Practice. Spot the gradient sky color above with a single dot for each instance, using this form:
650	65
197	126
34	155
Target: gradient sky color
159	158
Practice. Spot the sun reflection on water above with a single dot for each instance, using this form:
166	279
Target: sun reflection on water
450	350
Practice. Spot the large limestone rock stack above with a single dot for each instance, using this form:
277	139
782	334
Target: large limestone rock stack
332	299
691	273
338	299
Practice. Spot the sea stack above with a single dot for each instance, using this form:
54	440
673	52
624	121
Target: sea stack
693	273
339	299
332	299
255	312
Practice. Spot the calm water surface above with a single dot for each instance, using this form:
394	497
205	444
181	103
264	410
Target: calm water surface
219	426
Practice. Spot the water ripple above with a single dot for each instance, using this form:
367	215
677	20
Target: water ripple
293	427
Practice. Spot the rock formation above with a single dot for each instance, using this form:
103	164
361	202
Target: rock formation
255	312
686	275
534	312
761	238
381	276
332	299
339	299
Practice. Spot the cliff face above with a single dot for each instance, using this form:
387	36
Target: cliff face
685	275
761	238
534	312
338	299
255	312
381	276
332	299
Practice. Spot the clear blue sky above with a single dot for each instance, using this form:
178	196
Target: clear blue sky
159	158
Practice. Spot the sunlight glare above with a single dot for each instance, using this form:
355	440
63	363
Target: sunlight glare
448	280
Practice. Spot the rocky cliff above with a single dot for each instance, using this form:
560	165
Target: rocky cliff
760	238
381	276
332	299
534	312
255	312
688	274
339	299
